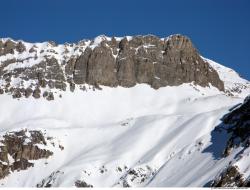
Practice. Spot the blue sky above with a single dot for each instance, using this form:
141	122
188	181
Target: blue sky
220	29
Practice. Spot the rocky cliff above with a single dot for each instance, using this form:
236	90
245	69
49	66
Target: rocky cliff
237	125
35	69
19	148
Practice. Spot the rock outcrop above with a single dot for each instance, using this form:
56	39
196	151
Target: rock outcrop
103	61
231	177
81	184
237	125
18	148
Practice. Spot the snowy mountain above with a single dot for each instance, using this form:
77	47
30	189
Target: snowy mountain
120	112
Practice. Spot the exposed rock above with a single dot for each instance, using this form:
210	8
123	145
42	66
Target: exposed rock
45	94
61	147
20	47
141	59
28	92
51	84
50	96
7	47
230	177
237	125
52	43
144	71
22	147
53	70
8	61
36	93
136	176
1	91
33	49
126	72
102	67
79	69
42	83
21	164
16	94
60	85
184	64
81	183
72	86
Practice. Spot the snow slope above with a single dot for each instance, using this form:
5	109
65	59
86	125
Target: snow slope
126	136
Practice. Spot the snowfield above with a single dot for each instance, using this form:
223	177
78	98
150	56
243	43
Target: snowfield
125	136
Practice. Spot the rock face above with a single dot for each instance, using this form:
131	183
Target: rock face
81	184
231	177
237	125
9	46
18	148
102	61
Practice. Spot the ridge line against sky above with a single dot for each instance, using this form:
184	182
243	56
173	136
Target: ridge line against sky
219	29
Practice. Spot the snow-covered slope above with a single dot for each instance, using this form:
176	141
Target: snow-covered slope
118	136
136	136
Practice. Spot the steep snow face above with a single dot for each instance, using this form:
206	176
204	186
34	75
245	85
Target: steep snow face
122	136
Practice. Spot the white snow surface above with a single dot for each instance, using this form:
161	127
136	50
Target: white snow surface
161	133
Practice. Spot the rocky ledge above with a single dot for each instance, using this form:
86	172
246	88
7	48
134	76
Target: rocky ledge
36	69
19	148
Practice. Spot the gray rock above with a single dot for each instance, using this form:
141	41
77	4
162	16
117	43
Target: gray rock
50	96
13	144
230	177
32	49
72	86
81	184
126	71
20	47
36	93
79	69
102	67
16	94
45	94
7	47
28	92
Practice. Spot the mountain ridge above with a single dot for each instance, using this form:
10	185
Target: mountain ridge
104	61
